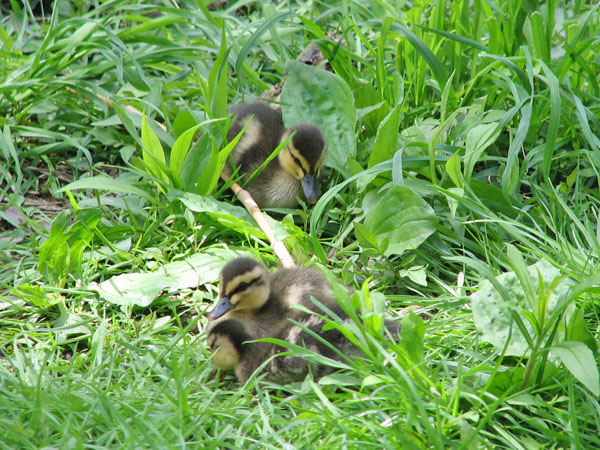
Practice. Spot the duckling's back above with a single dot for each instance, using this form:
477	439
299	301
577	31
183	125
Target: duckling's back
297	285
260	138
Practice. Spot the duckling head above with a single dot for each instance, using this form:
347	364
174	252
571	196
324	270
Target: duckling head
225	342
244	288
303	158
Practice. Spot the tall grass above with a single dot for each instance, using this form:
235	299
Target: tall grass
483	116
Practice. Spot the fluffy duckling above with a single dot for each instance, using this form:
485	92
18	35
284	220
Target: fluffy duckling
293	172
233	349
255	304
248	292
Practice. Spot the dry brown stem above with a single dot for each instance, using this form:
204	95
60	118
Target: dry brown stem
278	246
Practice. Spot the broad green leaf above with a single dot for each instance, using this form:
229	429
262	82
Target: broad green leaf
209	176
230	216
365	238
508	177
334	411
413	331
401	217
7	40
493	315
141	289
104	183
417	274
453	170
80	34
373	380
36	295
478	139
217	80
386	140
554	122
324	99
397	163
183	122
371	110
493	198
520	269
579	359
61	254
179	151
196	161
69	324
340	379
59	235
579	331
372	307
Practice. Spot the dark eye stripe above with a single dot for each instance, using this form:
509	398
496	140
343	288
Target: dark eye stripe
243	286
299	164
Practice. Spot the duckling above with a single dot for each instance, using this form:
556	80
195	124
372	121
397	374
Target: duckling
228	340
263	301
233	349
255	305
293	172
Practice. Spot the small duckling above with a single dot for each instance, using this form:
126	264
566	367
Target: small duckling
255	305
228	341
293	172
233	349
263	301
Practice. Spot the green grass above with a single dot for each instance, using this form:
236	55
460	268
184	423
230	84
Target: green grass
482	116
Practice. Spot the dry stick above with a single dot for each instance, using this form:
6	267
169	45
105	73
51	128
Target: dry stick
243	196
278	246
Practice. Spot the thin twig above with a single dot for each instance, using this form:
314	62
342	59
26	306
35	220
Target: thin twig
278	246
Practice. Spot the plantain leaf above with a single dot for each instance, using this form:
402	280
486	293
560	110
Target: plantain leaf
230	216
493	315
322	98
386	140
104	183
579	360
413	331
453	170
140	289
36	295
401	217
478	139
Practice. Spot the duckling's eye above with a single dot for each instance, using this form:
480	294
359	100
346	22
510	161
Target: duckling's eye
243	286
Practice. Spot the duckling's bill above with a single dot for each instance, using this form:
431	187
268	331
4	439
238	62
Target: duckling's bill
310	185
222	307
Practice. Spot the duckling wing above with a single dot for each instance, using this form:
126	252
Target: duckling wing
260	138
296	286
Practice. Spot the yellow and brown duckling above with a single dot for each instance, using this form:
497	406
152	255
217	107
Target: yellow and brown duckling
263	301
255	304
293	173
